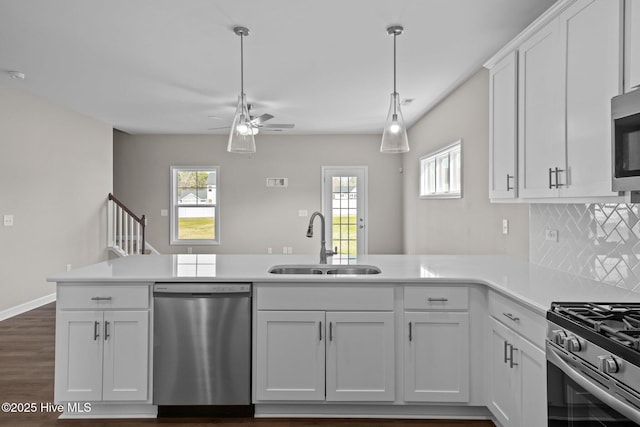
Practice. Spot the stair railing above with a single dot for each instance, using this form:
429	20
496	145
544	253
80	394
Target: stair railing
125	229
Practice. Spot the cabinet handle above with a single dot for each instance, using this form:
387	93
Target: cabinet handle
96	334
557	171
101	298
509	187
437	299
330	331
410	336
106	331
506	358
511	317
320	330
511	362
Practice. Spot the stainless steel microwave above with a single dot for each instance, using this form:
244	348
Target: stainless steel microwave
625	142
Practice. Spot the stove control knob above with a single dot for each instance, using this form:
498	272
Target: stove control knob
559	336
610	364
574	344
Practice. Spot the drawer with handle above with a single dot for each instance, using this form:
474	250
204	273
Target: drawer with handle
102	296
436	298
519	318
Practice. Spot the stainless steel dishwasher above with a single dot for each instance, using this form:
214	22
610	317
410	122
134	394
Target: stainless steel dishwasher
202	344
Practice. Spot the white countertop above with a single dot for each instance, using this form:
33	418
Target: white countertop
532	285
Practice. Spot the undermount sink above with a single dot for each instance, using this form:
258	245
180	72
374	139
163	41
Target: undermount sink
325	269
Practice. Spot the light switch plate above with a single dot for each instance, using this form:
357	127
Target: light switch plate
505	226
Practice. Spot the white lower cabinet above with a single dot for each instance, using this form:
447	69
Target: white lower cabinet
517	378
102	343
290	355
293	348
436	344
102	355
436	357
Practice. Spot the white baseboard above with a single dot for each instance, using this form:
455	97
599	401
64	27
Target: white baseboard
29	305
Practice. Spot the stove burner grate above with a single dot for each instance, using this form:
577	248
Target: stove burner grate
618	321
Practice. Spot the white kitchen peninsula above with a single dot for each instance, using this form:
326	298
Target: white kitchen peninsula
416	340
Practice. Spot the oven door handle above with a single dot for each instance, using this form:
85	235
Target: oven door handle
560	360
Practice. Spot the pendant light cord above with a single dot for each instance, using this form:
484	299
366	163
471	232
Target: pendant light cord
395	93
241	64
394	62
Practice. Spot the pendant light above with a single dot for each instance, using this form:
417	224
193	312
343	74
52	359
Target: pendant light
394	136
242	130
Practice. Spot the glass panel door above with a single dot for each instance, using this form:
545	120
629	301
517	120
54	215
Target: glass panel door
344	195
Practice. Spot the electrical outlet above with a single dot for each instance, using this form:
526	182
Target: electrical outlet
189	250
269	251
551	235
8	220
68	267
303	212
505	226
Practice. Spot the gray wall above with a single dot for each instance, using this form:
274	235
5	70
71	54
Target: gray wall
253	217
470	224
55	174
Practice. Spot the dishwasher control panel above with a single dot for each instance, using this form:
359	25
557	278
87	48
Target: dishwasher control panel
201	288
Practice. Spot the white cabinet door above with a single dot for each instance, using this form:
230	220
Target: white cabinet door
503	135
532	387
78	343
502	401
126	343
632	44
540	111
290	355
590	32
517	379
436	357
360	356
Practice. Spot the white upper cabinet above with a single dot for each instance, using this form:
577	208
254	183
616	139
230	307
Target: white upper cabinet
590	34
568	69
503	138
632	45
541	151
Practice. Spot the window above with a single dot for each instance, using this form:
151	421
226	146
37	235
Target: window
440	173
194	205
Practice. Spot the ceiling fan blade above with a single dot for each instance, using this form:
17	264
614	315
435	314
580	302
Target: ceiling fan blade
221	127
263	118
278	125
219	118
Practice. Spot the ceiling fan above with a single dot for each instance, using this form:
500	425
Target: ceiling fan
258	123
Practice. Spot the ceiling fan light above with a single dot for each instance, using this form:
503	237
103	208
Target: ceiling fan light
241	137
394	136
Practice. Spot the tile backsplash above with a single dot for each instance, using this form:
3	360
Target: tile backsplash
599	241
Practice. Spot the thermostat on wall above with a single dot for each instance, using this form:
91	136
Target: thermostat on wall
277	182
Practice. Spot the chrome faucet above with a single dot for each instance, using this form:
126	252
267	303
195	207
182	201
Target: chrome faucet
323	249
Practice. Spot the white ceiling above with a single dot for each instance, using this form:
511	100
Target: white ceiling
165	66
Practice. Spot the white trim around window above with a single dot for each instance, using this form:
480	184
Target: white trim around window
197	202
441	173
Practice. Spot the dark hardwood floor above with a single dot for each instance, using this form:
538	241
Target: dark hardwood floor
26	376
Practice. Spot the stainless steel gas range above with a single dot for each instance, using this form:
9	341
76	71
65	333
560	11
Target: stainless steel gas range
593	364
